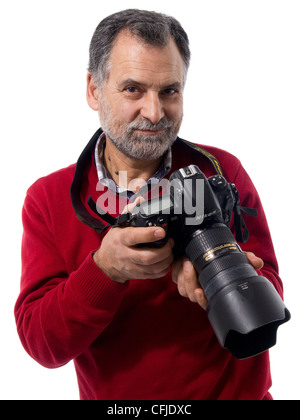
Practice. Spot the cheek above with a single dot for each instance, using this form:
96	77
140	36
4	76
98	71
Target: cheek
121	109
117	108
175	111
127	111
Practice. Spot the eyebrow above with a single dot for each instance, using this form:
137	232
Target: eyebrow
127	82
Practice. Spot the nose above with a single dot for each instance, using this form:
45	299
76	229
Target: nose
152	108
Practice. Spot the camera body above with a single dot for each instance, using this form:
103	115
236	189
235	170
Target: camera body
244	309
190	200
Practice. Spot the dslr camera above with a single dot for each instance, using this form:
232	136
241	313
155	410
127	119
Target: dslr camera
244	309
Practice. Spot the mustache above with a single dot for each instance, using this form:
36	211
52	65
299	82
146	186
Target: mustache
145	124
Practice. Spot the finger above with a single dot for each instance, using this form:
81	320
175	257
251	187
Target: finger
178	277
256	262
150	256
201	299
133	236
190	280
181	284
145	264
159	269
176	270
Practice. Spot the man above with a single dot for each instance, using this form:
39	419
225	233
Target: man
101	299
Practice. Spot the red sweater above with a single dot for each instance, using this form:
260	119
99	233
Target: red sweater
139	340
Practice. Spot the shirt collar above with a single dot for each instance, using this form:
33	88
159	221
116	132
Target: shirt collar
106	179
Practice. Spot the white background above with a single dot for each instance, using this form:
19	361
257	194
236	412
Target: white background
243	95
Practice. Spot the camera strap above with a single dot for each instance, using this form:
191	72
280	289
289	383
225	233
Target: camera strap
213	160
80	209
241	230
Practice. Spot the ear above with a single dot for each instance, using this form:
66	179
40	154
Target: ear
92	93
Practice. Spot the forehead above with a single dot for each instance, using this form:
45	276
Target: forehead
133	59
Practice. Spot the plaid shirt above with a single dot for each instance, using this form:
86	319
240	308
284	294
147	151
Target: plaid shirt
106	179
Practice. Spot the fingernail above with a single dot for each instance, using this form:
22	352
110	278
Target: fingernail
188	266
159	234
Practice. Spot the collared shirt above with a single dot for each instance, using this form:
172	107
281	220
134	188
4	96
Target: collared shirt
106	179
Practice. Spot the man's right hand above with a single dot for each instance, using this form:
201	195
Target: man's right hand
121	259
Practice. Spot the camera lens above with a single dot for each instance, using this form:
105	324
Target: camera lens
244	309
212	251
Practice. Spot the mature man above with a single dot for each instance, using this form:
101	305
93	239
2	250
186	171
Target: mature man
101	299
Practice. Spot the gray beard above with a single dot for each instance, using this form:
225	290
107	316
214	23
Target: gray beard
138	146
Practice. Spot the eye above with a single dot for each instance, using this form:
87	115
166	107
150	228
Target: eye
132	92
169	92
131	89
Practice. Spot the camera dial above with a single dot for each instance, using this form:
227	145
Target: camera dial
218	182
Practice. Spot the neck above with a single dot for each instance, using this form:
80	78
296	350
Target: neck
125	170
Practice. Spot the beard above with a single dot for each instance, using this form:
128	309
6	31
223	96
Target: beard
129	140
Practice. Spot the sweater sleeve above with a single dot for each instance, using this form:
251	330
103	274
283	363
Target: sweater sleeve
260	241
59	314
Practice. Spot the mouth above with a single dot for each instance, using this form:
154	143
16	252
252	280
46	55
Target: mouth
150	132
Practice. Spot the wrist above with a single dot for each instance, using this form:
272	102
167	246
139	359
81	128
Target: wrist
95	286
108	271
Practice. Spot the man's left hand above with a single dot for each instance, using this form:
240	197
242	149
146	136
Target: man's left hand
186	278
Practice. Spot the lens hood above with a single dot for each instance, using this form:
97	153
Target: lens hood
245	316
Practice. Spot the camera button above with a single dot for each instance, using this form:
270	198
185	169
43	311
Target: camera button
218	182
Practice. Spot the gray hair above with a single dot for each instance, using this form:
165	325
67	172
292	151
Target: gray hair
150	27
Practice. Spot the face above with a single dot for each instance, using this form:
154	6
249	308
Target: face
141	103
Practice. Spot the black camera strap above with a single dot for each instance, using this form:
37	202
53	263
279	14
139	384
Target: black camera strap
241	230
81	211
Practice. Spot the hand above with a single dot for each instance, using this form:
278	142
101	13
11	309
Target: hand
121	259
186	278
